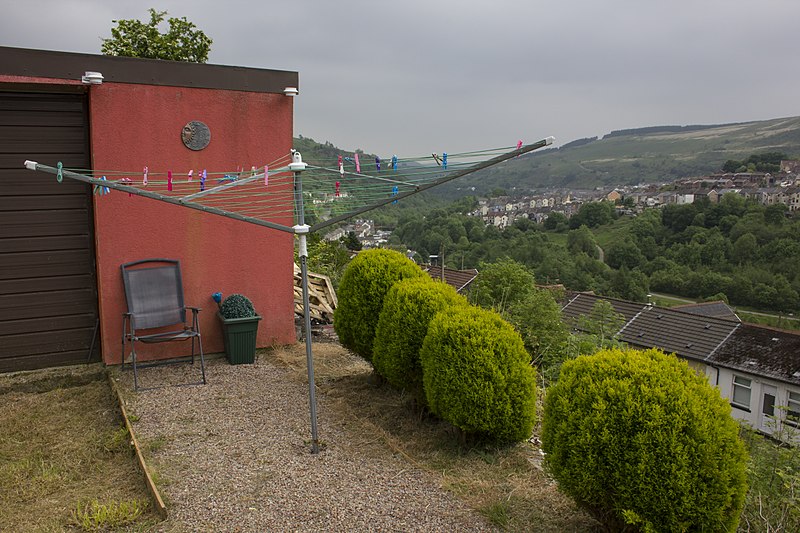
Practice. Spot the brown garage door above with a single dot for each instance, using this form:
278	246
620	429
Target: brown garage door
48	294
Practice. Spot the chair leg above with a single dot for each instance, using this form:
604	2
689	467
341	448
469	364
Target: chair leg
133	357
196	324
202	360
124	329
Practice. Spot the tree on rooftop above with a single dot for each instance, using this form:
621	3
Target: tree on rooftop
502	284
134	38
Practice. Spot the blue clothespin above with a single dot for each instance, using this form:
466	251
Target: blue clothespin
59	176
378	163
99	189
394	163
227	178
203	181
444	160
395	190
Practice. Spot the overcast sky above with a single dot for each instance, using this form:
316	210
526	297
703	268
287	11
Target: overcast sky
411	77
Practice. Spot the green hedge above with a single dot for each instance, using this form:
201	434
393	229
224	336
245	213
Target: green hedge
477	374
408	309
636	437
364	284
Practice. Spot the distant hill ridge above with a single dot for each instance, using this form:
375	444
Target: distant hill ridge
665	129
623	157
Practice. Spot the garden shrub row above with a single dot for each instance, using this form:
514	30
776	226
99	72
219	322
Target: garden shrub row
634	437
466	364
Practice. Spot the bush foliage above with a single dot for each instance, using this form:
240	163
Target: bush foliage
637	438
364	284
477	374
237	306
408	309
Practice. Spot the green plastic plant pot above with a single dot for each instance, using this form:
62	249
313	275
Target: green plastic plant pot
239	335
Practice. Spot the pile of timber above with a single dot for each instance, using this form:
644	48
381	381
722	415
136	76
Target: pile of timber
321	296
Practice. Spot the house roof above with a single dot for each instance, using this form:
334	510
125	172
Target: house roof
718	309
71	66
764	351
581	303
723	342
458	279
691	336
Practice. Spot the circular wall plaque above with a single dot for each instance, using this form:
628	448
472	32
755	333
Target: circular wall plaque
195	135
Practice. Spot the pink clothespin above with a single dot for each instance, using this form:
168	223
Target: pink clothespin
519	146
341	166
190	175
266	174
169	180
358	165
126	181
144	180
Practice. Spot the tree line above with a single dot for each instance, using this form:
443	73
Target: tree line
737	250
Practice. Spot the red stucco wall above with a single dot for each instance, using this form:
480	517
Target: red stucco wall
133	126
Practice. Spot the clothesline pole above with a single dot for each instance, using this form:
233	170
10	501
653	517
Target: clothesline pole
301	230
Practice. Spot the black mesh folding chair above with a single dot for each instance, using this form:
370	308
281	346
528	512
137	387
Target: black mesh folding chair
154	293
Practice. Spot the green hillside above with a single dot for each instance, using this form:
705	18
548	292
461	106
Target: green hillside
324	154
627	157
624	157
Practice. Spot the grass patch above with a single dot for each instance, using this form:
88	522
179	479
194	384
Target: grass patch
96	516
497	514
609	234
61	448
505	484
773	474
664	300
773	321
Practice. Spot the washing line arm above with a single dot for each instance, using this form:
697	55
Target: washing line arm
419	188
33	165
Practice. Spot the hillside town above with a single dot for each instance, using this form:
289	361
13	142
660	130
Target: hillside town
764	188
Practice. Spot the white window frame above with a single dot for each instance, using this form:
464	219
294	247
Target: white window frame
792	408
748	387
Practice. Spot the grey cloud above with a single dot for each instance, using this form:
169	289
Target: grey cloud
416	76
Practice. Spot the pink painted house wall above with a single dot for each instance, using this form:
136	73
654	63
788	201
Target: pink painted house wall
136	117
133	126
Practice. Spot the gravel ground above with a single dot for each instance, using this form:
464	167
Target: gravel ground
234	455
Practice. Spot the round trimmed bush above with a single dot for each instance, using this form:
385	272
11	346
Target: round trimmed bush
364	284
637	438
237	306
477	374
408	309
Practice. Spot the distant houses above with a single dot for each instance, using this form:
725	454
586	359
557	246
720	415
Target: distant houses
761	187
